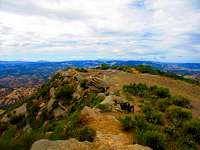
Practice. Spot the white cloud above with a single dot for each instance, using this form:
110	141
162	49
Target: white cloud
120	29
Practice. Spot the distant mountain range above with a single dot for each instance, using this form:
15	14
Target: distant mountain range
44	68
18	73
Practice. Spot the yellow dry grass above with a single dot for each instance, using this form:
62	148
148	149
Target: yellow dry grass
116	79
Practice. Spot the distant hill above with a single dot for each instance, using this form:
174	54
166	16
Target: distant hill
17	73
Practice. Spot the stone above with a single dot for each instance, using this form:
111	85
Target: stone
101	96
89	114
71	144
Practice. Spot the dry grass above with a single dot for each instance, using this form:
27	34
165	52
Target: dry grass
116	80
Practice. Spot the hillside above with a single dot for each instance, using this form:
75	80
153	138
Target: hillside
110	109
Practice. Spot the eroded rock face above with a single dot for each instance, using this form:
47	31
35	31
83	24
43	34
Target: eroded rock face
97	84
18	112
52	99
73	144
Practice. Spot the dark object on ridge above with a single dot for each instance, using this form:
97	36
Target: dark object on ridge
127	106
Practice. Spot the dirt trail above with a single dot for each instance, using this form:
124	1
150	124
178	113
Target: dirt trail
108	128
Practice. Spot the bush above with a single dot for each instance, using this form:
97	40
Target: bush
25	141
153	139
104	107
64	92
104	66
177	115
87	134
154	117
164	103
83	83
159	92
192	128
66	128
170	130
128	122
143	91
136	89
186	143
43	91
81	69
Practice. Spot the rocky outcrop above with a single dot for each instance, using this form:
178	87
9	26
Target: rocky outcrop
16	113
73	144
52	100
17	95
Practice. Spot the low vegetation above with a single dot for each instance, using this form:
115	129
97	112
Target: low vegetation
104	107
166	121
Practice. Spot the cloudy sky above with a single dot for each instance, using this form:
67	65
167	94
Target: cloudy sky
158	30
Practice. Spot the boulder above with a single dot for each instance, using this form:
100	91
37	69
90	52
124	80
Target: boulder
131	147
101	96
112	100
71	144
89	114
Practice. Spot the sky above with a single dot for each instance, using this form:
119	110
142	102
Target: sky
58	30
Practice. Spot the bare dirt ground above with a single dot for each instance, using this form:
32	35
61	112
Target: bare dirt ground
116	79
108	129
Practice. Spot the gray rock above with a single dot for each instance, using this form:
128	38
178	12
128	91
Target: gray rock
71	144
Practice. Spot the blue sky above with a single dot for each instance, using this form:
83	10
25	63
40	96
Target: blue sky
56	30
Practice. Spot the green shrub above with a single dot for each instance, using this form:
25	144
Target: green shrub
170	130
104	107
141	123
164	103
87	134
153	139
192	128
136	89
83	83
81	69
143	91
43	91
25	141
32	108
104	66
154	117
177	115
66	127
64	92
159	91
128	122
90	100
186	143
